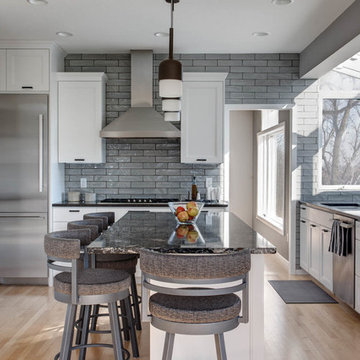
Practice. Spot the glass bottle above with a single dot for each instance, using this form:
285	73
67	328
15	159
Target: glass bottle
194	189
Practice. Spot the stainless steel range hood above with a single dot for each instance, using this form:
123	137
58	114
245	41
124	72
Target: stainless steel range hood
141	120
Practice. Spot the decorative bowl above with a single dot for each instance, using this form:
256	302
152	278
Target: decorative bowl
186	212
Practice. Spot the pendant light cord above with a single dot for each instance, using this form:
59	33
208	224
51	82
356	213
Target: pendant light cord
171	37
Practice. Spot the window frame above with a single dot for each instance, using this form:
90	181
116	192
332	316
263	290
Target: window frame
340	95
271	222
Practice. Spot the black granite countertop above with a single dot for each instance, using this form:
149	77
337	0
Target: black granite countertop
351	212
151	230
125	204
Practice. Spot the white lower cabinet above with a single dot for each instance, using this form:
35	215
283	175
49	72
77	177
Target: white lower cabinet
357	293
62	215
304	244
326	259
2	70
314	251
315	257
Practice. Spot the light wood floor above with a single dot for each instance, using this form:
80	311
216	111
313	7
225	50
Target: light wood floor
31	326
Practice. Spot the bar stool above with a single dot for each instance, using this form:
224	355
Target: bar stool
125	262
85	287
196	310
97	224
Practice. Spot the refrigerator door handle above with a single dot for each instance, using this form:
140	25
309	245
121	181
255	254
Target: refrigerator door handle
41	151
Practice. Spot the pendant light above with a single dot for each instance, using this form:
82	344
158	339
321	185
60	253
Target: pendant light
170	78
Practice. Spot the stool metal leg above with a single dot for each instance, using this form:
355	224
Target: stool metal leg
85	331
135	301
115	331
125	324
95	318
78	332
66	343
133	339
220	346
168	346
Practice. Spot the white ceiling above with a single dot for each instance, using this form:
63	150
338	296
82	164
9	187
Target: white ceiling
201	26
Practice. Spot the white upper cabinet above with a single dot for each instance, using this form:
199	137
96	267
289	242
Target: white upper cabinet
81	116
27	70
2	70
202	118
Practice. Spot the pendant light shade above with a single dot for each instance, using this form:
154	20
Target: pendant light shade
170	70
171	116
171	105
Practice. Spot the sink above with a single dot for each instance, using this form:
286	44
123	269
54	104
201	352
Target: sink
342	205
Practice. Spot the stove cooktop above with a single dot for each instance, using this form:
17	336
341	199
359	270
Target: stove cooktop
137	201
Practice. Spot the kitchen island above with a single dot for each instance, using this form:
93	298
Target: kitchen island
214	232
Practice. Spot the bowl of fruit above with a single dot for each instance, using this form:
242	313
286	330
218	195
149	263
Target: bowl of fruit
186	212
185	235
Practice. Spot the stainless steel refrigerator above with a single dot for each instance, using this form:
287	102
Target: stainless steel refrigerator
23	187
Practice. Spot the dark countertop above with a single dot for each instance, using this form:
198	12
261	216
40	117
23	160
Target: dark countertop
151	230
353	213
98	203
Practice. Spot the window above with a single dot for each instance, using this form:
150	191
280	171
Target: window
271	176
340	140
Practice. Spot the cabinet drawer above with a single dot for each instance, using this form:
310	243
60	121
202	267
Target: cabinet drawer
62	214
322	218
357	257
357	293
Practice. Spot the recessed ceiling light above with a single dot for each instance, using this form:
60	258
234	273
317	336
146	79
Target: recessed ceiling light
282	2
37	2
64	34
161	34
260	33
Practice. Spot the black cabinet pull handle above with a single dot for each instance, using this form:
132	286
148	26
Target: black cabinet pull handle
303	221
302	208
27	87
74	211
325	230
312	225
79	159
201	159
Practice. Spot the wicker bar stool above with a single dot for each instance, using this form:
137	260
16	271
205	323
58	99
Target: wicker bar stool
96	225
85	287
196	309
125	262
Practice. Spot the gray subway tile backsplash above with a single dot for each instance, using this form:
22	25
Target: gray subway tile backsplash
151	167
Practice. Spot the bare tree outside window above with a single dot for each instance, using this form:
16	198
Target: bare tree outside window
341	142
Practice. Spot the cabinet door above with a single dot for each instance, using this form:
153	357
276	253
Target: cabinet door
202	122
80	108
304	244
27	70
2	70
326	263
315	250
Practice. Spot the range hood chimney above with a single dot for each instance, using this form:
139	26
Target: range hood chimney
141	120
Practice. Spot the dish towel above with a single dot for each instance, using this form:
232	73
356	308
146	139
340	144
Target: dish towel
341	239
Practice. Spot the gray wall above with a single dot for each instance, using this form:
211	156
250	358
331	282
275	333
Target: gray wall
151	167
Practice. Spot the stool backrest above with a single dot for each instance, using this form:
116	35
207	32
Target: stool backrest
195	266
104	219
109	215
65	246
94	225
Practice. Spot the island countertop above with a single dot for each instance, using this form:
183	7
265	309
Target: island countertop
214	232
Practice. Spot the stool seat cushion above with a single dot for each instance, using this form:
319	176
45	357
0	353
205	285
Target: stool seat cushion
93	282
195	309
126	262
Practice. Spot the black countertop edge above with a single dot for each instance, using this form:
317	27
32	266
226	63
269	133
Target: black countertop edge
330	209
135	250
70	204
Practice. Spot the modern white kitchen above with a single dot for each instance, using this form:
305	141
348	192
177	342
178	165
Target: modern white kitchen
179	179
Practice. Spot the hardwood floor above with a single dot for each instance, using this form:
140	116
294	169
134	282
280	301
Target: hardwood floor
31	326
